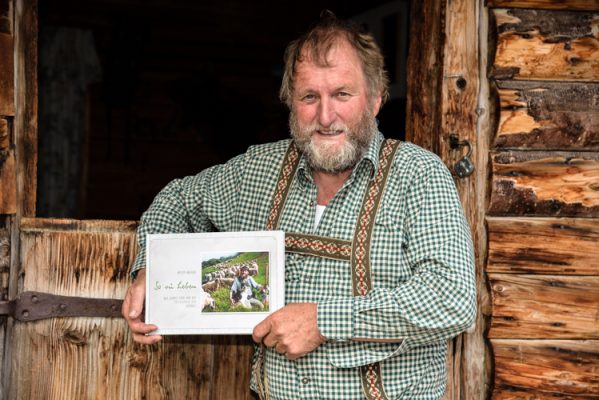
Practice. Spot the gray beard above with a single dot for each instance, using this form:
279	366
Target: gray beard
323	158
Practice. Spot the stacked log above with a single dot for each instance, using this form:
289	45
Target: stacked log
543	215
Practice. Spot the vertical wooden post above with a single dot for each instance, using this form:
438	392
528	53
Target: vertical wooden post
424	71
26	104
464	112
25	34
447	96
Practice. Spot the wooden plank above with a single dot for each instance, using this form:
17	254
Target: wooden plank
546	45
548	115
459	114
424	73
4	259
8	181
233	363
535	183
545	369
7	75
544	307
68	358
25	122
4	275
543	246
580	5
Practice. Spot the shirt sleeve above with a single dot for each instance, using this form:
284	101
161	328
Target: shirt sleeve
205	202
436	303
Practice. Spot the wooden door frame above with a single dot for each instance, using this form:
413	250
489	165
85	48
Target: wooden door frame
448	93
24	139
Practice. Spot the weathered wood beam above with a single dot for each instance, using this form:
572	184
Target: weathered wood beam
7	77
8	181
546	369
459	113
25	122
544	307
543	246
535	183
548	115
424	73
582	5
546	45
4	259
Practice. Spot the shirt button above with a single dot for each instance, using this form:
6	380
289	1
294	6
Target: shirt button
305	381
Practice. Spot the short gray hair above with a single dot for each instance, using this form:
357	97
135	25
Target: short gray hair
319	40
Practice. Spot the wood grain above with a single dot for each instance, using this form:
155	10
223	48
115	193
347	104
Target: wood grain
582	5
7	77
546	369
543	246
424	73
95	357
546	45
8	181
459	114
535	183
25	122
544	307
4	260
548	115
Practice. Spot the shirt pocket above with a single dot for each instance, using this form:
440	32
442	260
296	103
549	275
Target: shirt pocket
387	250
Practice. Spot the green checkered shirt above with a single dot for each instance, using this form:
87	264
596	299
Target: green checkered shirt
421	260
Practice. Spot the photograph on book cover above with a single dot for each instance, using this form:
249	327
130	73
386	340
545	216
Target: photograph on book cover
213	283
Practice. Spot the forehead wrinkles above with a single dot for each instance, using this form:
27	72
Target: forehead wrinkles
337	54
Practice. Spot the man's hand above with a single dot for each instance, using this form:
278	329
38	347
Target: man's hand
132	311
292	330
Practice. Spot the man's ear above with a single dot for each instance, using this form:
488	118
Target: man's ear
376	105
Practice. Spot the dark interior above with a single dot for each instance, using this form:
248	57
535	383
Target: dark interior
136	93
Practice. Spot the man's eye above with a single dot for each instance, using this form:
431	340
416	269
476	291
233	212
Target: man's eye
343	94
309	97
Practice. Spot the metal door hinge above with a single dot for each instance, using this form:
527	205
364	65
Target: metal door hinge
33	306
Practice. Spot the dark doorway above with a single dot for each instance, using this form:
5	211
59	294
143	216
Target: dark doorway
136	93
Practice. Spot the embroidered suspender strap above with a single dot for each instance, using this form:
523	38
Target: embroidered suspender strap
286	173
361	281
319	246
361	273
356	251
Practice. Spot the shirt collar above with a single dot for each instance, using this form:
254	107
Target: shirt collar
369	160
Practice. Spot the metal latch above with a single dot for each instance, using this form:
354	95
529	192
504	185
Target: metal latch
33	306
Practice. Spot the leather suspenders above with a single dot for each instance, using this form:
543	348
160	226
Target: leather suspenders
356	251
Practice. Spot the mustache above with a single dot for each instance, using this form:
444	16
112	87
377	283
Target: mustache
334	127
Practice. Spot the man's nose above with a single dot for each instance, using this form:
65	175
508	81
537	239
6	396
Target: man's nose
326	112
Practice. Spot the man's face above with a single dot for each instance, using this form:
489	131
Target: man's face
332	117
245	273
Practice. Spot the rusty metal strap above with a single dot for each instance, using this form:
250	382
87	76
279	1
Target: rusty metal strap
33	306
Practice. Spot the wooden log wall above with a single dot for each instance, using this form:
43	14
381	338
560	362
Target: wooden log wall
543	214
95	358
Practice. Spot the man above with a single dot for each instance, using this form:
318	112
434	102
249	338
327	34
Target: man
378	268
241	283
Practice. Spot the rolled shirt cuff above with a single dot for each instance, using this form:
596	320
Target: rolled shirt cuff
335	318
